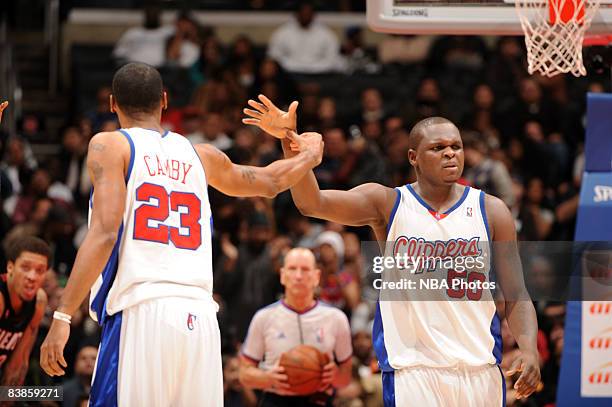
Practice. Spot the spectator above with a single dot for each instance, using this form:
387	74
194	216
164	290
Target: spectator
328	114
213	131
243	63
192	124
72	161
17	168
304	45
427	103
219	94
234	393
507	67
38	188
271	72
211	60
144	44
372	107
535	219
100	114
33	226
356	56
531	107
246	275
484	172
338	286
83	368
183	47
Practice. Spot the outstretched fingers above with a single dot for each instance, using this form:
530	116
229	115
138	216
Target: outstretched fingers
252	113
257	106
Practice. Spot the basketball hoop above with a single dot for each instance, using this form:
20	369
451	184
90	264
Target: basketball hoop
554	32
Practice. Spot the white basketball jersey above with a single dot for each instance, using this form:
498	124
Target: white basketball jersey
164	243
438	327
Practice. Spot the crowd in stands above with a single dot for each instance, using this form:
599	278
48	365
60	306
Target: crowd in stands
523	140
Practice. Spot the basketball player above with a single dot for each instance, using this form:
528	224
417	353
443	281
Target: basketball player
297	319
22	306
433	353
147	254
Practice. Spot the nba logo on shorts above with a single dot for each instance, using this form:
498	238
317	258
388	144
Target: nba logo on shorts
469	211
190	320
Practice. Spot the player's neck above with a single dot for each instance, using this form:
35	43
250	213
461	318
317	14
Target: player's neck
298	304
143	121
439	197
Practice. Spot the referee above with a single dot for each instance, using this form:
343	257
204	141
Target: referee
296	319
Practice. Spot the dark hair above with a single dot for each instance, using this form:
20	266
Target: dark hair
27	244
418	131
138	88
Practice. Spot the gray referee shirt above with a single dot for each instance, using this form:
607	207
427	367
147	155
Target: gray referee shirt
278	328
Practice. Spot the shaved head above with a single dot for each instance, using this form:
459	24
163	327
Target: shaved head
418	131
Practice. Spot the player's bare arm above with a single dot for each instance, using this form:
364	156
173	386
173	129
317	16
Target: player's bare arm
107	161
365	205
243	180
520	313
273	380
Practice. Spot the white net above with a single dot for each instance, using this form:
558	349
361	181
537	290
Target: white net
554	31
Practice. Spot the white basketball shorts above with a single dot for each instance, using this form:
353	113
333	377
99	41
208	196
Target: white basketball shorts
162	352
439	387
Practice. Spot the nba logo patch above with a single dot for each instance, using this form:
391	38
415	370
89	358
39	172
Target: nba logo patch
319	335
469	211
190	321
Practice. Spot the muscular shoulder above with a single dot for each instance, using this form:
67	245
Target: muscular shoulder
108	139
109	148
500	219
205	150
213	159
383	196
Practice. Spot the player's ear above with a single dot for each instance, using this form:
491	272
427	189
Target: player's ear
282	276
412	157
10	267
111	103
165	100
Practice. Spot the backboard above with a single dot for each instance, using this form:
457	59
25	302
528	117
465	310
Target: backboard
483	17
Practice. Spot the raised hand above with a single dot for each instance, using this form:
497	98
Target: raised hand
270	118
3	106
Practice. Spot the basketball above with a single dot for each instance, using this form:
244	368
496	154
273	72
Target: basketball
304	368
